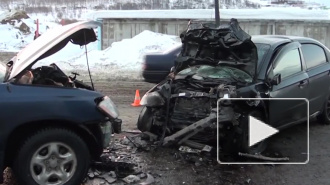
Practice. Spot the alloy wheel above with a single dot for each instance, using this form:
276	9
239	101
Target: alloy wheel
53	164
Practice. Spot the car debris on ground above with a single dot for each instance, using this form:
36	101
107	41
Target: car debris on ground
122	163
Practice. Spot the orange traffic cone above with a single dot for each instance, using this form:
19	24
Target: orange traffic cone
136	102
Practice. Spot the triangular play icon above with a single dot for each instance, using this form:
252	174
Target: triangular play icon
259	131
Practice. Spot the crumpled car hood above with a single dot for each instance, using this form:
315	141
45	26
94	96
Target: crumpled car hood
80	33
206	44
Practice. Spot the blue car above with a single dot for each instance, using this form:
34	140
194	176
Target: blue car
52	125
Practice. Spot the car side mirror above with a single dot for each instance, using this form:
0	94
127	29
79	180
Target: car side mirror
172	69
276	79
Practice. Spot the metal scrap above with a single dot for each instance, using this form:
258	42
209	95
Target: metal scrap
189	150
131	179
261	157
150	179
108	178
195	128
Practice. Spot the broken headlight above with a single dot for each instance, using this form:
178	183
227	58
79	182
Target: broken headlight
108	107
152	99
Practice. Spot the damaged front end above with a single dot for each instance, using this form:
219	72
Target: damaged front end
215	63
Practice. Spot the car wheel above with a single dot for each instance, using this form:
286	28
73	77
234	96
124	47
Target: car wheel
257	148
52	156
145	120
324	117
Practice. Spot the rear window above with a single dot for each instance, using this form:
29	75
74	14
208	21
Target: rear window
313	54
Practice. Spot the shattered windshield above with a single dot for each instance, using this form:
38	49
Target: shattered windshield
217	72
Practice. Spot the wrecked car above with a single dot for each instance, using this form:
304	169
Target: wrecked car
225	62
52	125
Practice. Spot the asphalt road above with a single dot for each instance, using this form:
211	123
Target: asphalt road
166	169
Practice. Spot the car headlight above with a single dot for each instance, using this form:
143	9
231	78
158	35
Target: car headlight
108	107
152	99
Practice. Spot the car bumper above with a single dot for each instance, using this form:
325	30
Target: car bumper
154	76
108	128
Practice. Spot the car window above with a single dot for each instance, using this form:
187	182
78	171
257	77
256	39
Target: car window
314	55
289	64
262	49
2	71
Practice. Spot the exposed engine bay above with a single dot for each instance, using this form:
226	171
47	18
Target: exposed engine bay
51	75
188	105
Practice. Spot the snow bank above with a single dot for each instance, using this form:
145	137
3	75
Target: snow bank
120	61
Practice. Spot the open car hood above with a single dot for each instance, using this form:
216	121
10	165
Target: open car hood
207	44
80	33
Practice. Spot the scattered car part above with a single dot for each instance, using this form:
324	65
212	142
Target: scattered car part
131	179
261	157
150	179
193	128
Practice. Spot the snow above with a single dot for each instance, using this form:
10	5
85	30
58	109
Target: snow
122	60
12	40
293	13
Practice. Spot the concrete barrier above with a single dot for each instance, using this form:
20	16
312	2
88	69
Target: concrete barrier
114	30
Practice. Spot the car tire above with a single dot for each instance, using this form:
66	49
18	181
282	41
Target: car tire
324	117
52	156
259	147
144	122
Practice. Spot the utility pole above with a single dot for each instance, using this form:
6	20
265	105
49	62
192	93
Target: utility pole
217	12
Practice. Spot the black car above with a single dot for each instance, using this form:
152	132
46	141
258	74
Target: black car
156	66
224	62
52	125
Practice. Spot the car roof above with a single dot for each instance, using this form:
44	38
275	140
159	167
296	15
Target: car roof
280	39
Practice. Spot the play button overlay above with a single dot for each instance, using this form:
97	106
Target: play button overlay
241	137
259	131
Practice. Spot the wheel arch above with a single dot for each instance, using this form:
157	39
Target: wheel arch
90	133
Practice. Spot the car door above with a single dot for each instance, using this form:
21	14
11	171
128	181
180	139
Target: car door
318	70
294	84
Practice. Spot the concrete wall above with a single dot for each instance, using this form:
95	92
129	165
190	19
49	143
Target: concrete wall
114	30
